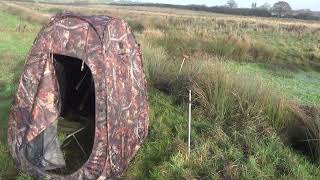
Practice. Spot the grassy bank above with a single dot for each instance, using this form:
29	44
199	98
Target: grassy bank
244	150
238	127
254	102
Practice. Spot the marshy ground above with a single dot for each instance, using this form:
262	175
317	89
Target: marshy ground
256	86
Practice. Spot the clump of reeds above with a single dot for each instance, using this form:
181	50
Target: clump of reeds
218	93
235	102
303	131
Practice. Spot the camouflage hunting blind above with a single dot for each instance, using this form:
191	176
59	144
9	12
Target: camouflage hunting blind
81	109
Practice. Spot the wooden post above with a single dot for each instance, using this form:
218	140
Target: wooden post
182	65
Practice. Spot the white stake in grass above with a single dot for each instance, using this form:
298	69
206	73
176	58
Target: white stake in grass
189	135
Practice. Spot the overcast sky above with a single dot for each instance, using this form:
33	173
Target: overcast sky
295	4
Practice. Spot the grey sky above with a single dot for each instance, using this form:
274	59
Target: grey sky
295	4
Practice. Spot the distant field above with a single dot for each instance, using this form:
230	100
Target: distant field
292	42
251	79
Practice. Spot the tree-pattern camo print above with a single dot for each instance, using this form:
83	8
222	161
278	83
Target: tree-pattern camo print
110	50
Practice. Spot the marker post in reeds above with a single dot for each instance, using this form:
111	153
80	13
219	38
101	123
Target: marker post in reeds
189	131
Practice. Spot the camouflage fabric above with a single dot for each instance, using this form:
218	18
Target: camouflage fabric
108	47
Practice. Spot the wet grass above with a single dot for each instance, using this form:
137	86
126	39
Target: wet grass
240	119
13	49
218	152
300	86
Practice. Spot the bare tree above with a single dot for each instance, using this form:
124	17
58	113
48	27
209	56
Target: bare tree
265	6
253	5
281	8
232	4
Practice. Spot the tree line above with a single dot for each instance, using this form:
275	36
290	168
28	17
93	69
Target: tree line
280	9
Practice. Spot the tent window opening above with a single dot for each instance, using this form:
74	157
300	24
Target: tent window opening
75	127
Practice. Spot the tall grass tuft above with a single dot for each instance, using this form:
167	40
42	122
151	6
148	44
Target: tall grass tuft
218	93
234	102
230	46
303	132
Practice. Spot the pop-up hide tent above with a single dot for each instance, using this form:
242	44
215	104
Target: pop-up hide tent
82	87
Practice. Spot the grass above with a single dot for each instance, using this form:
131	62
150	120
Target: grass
217	151
300	86
255	93
13	49
14	46
289	43
27	14
236	126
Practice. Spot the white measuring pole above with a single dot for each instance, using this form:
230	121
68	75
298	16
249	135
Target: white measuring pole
189	134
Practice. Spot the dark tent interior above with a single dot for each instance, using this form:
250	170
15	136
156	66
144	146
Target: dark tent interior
78	107
75	129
